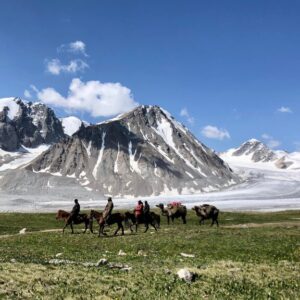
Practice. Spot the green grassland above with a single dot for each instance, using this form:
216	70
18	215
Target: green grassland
238	260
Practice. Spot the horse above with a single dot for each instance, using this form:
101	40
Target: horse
112	219
66	216
152	218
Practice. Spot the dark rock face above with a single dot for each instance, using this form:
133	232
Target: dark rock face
259	151
34	124
141	153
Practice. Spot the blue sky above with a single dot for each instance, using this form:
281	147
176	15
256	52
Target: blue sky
229	70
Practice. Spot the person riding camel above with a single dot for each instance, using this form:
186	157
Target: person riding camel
107	210
138	211
75	211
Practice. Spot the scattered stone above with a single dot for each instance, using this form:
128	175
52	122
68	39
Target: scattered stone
141	253
118	266
13	260
23	231
186	275
187	255
127	269
61	262
89	264
122	253
101	262
58	254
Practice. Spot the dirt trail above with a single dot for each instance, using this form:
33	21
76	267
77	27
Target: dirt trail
271	224
29	232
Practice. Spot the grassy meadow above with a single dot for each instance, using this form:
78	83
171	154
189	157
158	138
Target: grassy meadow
250	256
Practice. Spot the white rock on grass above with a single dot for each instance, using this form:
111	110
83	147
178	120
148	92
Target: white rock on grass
187	255
23	231
58	254
141	253
122	253
61	262
101	262
186	275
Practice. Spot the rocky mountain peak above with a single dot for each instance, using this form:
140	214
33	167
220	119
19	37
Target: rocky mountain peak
141	153
26	123
258	151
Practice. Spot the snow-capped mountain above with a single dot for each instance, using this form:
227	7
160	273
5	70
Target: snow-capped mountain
255	151
256	154
72	124
27	124
143	152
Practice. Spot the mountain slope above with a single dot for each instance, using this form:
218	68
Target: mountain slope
140	153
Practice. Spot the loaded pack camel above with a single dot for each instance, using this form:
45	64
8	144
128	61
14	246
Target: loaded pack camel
116	218
173	212
64	215
152	219
205	212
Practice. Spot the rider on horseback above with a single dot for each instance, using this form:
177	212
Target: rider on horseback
107	210
75	211
138	211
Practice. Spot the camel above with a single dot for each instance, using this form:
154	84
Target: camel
64	215
173	212
205	212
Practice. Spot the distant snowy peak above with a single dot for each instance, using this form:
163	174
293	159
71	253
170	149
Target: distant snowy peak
72	124
254	153
12	105
28	124
256	150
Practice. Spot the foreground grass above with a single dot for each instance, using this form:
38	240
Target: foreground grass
231	262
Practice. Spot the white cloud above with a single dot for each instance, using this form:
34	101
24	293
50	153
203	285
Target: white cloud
214	132
94	97
55	67
270	141
184	113
27	94
266	136
284	109
77	47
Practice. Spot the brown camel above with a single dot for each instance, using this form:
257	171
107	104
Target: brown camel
173	212
205	212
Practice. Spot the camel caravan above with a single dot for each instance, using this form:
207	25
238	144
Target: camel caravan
140	215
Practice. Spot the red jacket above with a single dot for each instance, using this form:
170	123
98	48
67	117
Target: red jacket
138	210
